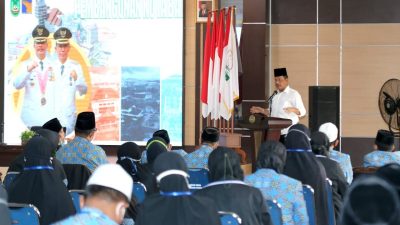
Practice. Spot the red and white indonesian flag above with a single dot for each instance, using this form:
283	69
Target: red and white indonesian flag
207	62
213	94
229	81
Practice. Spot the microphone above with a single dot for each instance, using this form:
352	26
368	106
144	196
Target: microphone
273	94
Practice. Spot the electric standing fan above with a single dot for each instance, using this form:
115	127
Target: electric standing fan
389	104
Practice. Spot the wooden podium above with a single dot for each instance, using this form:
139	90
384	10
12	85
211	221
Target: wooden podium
264	128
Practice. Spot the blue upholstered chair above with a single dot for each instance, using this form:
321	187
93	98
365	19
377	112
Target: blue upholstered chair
24	214
275	210
75	198
331	208
308	193
198	178
139	191
229	218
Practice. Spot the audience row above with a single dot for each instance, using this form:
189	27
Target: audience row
282	170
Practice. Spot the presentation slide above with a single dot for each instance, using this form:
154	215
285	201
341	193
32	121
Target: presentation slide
121	59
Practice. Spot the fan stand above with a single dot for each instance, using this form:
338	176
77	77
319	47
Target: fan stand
395	134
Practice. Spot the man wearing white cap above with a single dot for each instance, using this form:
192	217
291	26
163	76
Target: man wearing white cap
107	196
331	131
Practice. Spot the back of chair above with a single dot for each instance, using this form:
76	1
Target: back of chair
360	171
308	193
229	218
77	176
198	178
139	191
275	210
24	214
331	208
75	194
9	178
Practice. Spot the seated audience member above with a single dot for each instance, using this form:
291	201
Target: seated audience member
370	200
39	185
155	146
164	135
55	125
331	131
301	164
391	173
107	196
383	154
18	164
320	147
129	158
276	186
80	150
175	204
209	142
230	193
4	212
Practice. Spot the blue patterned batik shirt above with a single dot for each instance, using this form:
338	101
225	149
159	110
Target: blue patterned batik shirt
87	216
380	158
82	151
198	158
344	162
285	190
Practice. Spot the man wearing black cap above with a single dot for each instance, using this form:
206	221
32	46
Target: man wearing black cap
69	78
209	142
384	151
285	102
34	77
80	150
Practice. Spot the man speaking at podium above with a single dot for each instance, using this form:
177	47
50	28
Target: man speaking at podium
285	102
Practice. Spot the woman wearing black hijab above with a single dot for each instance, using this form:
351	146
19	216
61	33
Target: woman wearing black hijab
18	164
155	146
39	185
230	193
129	158
371	200
175	205
301	164
4	212
320	147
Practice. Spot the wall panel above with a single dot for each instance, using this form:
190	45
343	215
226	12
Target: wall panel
365	69
329	34
190	72
329	66
293	34
371	34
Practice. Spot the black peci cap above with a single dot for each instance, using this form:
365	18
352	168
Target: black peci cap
280	72
384	138
210	134
85	121
53	124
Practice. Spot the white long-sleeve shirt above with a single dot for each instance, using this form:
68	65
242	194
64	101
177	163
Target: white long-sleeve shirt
287	98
